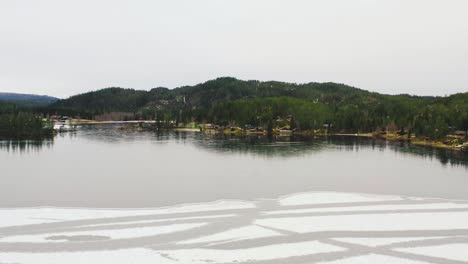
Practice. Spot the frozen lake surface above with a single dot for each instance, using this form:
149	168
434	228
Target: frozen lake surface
315	227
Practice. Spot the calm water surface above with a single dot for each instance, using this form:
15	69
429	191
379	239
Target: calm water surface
101	166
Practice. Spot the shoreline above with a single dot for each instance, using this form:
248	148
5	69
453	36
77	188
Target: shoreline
94	122
413	141
391	137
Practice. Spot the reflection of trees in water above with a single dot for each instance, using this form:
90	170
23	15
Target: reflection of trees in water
445	156
117	133
268	146
302	145
25	146
260	145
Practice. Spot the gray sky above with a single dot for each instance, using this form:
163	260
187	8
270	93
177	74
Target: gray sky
61	47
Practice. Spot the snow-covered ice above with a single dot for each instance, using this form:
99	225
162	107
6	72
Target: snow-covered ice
316	227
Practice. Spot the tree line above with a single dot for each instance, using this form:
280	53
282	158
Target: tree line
232	102
229	101
19	122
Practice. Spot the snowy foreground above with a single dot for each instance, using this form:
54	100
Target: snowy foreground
319	227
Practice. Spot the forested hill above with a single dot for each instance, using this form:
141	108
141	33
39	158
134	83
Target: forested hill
27	99
210	93
229	101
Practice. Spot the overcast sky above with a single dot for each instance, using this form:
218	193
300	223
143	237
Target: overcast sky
61	48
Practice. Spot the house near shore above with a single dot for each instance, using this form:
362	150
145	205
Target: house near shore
211	127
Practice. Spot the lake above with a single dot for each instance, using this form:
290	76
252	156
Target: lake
102	166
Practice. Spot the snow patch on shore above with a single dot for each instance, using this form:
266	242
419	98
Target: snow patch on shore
27	216
333	197
125	256
277	251
374	259
140	222
237	234
376	208
106	233
457	251
381	241
370	222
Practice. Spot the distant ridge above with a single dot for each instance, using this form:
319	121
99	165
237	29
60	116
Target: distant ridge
29	99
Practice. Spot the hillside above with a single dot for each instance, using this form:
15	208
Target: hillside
208	94
27	99
229	101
